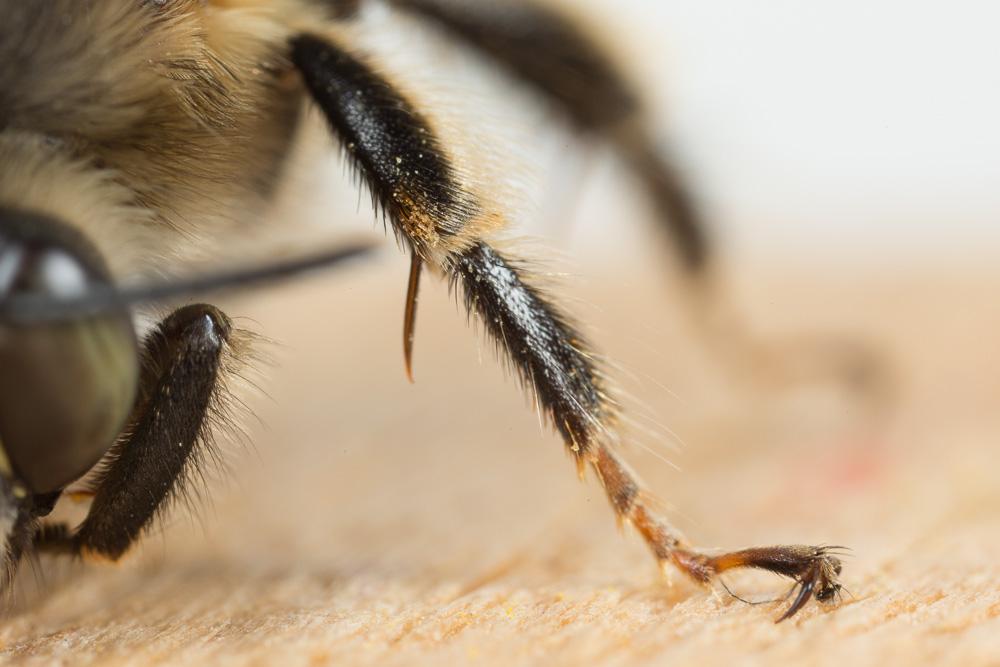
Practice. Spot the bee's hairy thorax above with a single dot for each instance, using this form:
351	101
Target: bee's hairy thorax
186	108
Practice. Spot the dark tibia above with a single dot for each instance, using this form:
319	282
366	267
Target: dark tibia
561	62
146	469
549	355
412	179
389	142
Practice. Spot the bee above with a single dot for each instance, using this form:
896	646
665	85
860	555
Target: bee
136	133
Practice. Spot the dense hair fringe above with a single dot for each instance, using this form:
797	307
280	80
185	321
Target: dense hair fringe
394	152
566	381
223	422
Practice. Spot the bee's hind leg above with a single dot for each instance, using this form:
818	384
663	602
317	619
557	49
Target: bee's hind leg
554	55
165	440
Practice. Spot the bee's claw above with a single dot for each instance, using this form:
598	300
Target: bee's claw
805	591
814	569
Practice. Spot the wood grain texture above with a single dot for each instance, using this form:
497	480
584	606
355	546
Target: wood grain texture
375	522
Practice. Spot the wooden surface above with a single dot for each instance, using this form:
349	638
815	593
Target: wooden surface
375	522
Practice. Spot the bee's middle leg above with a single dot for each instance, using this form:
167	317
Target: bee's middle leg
165	438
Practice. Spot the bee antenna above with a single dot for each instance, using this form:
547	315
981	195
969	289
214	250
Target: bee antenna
26	309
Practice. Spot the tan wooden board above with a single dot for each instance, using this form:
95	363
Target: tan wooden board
372	522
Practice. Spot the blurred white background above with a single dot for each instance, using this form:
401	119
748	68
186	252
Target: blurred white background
840	133
868	128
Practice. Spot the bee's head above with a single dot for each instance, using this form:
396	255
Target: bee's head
66	387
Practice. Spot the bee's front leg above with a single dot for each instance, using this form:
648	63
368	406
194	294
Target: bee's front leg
165	438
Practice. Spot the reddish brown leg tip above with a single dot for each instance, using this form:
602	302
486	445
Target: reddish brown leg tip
815	570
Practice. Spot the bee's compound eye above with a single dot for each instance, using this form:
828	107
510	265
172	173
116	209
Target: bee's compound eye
66	388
